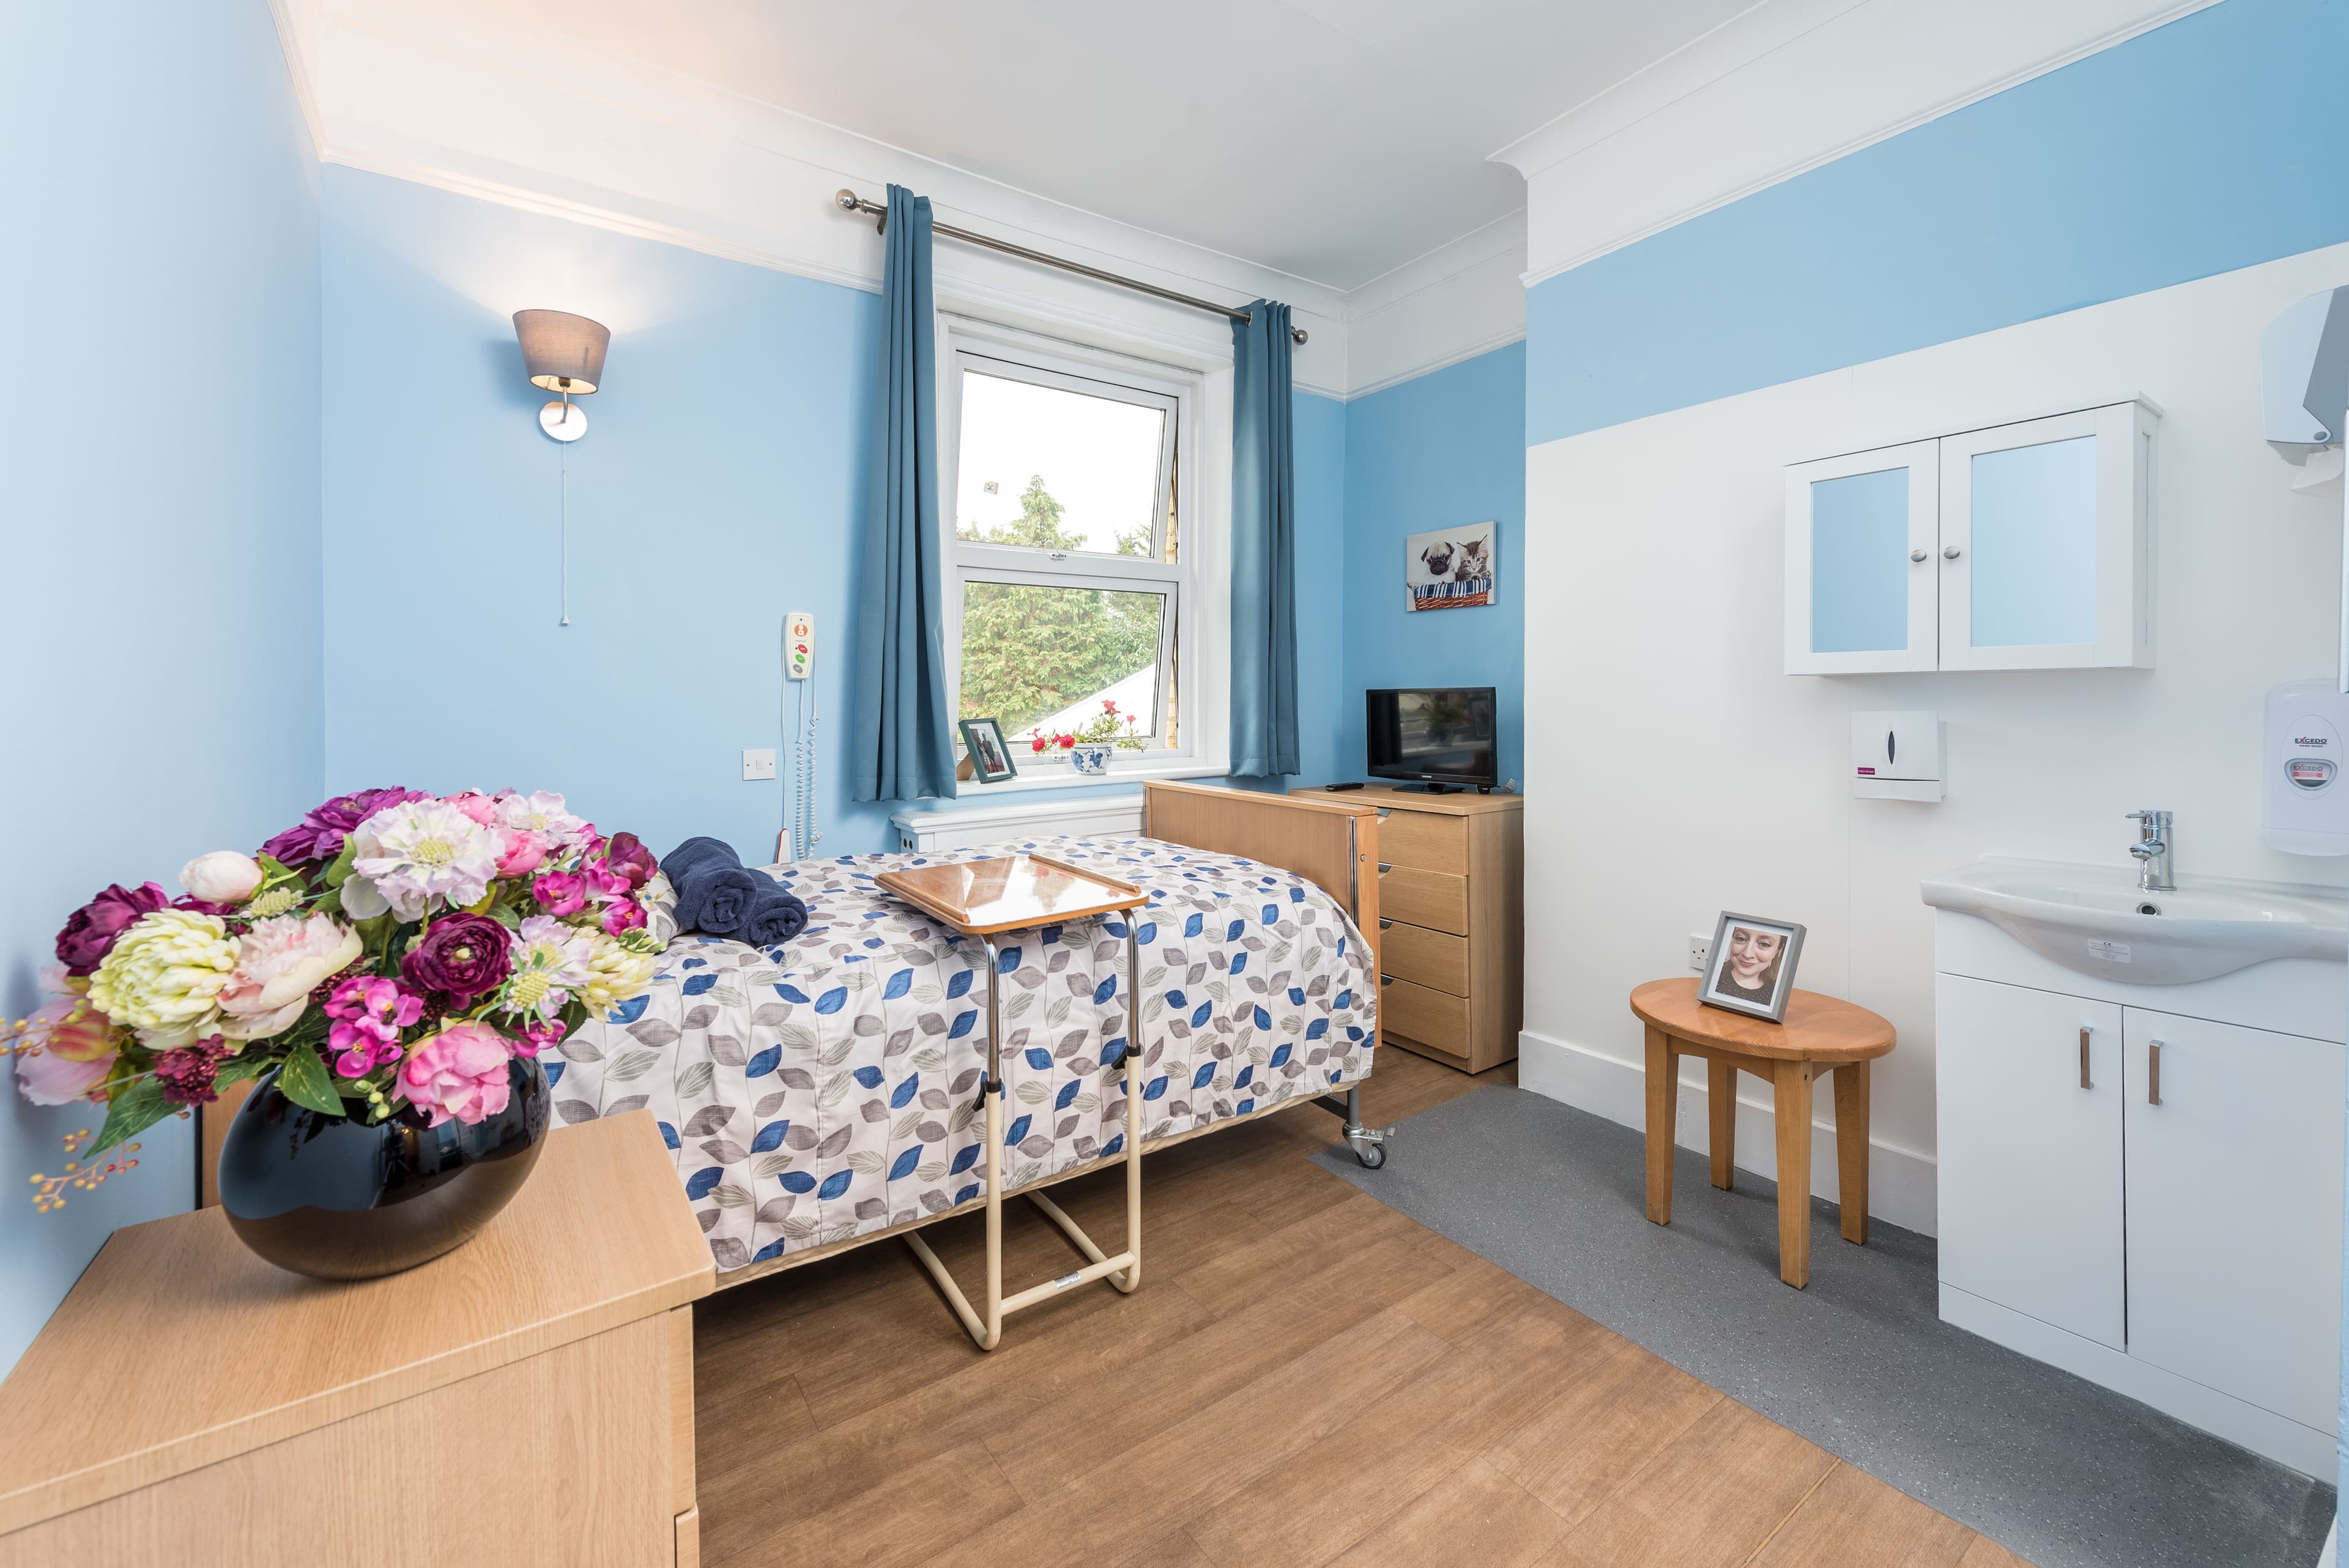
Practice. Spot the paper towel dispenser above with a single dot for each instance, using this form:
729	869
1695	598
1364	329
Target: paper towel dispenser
1896	755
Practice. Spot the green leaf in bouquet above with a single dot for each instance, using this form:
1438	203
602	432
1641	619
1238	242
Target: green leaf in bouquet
137	1105
506	914
304	1080
237	1069
338	870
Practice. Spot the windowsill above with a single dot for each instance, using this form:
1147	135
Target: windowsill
1063	777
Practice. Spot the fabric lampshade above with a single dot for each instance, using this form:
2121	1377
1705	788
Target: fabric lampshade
562	353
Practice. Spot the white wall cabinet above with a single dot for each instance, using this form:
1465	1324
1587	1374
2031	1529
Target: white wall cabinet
2185	1250
2019	546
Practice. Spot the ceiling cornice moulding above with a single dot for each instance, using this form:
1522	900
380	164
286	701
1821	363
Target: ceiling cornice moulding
1780	89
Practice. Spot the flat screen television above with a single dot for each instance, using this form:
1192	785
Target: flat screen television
1442	737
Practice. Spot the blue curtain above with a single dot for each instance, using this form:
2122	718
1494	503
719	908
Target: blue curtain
1264	548
902	740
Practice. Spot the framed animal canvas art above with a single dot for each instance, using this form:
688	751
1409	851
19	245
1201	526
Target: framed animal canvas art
1452	568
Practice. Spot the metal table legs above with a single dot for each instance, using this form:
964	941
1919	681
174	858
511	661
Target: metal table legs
1123	1269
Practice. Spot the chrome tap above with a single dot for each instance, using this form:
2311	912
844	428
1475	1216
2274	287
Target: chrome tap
2152	851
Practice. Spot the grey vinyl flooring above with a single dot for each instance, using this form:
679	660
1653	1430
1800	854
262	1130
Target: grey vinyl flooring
2067	1473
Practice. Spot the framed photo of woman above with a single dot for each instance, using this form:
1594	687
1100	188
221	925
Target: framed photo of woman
1753	968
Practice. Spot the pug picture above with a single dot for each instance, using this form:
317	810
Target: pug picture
1452	568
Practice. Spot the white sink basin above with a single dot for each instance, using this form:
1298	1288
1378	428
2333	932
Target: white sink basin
2094	919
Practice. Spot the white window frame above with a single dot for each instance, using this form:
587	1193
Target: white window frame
1199	399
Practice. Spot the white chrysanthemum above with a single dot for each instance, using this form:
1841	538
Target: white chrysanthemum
541	814
164	977
410	857
615	974
552	958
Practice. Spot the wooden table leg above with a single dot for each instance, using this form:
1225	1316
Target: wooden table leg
1663	1105
1851	1149
1721	1108
1792	1082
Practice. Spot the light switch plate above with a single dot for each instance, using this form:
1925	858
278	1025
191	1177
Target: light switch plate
1699	952
759	764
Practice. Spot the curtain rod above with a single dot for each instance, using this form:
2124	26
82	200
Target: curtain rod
850	201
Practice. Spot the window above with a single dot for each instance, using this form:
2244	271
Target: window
1073	593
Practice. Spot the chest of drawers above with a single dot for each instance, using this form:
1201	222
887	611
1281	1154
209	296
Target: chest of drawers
1452	922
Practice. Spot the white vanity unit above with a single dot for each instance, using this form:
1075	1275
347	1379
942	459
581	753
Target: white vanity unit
2141	1119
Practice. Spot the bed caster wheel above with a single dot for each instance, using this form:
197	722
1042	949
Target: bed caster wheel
1373	1157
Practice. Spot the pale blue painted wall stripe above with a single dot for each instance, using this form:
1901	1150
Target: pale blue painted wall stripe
2207	145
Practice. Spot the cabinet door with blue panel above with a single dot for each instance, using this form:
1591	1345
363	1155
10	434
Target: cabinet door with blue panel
1861	587
2045	542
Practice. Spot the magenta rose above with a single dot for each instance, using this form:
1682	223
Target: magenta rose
89	932
465	955
319	835
627	854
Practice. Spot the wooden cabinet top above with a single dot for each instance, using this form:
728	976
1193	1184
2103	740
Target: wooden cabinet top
179	1348
1394	797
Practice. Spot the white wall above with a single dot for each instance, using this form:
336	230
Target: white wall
1674	771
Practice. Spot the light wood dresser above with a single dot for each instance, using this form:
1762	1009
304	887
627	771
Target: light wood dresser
1451	908
527	1399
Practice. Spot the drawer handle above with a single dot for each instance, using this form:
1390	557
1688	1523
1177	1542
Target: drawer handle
1386	979
1384	812
1384	923
1385	866
2153	1072
2084	1032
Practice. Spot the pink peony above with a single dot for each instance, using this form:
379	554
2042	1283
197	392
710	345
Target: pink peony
68	1045
278	961
559	892
460	1072
523	851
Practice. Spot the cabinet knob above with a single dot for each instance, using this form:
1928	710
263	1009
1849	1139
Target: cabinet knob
1385	866
1917	554
1950	552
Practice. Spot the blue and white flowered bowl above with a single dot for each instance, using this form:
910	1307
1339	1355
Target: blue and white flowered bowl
1090	758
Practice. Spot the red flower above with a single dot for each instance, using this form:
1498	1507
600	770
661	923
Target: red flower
1108	707
1036	745
1067	741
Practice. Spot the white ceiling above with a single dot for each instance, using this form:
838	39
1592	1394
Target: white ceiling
1331	140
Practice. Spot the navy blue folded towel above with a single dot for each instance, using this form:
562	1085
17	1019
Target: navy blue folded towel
776	915
716	895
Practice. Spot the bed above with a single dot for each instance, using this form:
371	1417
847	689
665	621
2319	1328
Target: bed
821	1094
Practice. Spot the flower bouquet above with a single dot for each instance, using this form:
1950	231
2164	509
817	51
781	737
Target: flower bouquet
390	955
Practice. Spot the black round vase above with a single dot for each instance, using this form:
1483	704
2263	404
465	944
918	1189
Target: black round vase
338	1197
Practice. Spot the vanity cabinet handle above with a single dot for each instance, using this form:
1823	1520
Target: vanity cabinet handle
2153	1072
1950	552
2084	1032
1385	866
1916	555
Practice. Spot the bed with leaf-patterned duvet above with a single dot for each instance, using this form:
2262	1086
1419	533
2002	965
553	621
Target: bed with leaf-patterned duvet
826	1089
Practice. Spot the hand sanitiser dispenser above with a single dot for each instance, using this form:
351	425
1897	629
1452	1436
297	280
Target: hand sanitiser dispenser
1896	755
2303	801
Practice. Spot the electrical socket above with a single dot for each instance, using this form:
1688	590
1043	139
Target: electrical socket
1699	952
759	764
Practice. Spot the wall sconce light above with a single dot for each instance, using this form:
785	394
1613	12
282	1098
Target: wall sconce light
562	353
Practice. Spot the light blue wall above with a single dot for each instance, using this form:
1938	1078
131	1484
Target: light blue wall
159	512
1441	448
721	484
2210	144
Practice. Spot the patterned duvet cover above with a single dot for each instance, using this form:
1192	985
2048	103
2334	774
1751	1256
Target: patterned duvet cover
827	1087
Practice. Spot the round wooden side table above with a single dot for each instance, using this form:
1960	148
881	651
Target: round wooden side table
1820	1033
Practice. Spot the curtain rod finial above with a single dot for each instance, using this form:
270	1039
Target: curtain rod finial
845	198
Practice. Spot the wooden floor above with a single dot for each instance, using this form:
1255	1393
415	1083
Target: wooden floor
1305	1377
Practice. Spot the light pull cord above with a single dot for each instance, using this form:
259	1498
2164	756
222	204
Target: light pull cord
563	457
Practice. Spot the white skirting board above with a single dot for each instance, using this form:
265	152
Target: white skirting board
972	827
1901	1183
